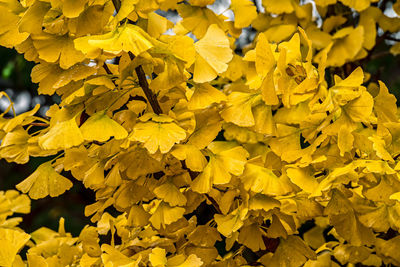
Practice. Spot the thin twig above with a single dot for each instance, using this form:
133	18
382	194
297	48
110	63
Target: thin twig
117	4
392	38
147	91
107	69
256	5
214	203
151	97
380	54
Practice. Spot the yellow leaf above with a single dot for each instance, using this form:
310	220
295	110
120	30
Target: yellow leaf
332	22
9	33
388	249
193	157
325	2
100	127
236	68
361	108
204	95
208	125
345	140
358	5
204	236
57	49
280	32
262	180
201	2
182	47
157	25
138	216
160	133
169	193
228	224
191	261
14	146
303	178
347	43
36	260
197	20
385	105
127	6
51	77
315	237
87	261
12	201
165	214
73	8
346	222
226	158
264	121
214	53
376	218
62	135
11	242
380	148
43	182
90	238
114	177
368	20
260	201
172	75
347	253
94	176
279	7
395	196
113	257
128	38
252	237
245	12
265	59
239	110
8	125
158	257
206	254
32	19
292	252
287	143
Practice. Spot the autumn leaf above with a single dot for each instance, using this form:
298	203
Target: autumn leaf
43	182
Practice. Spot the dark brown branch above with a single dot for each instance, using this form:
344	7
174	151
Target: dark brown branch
107	69
383	5
256	5
380	54
151	97
214	203
392	38
117	4
147	91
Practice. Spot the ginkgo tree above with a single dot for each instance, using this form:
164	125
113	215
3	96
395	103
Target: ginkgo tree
161	119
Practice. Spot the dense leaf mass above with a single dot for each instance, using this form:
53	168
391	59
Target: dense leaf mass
289	144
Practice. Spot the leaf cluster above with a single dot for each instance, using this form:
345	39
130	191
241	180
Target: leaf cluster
308	137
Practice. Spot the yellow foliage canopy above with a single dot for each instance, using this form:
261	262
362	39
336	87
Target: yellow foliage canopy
189	134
